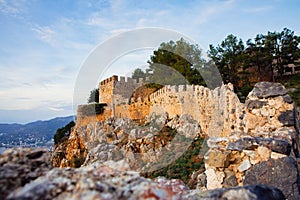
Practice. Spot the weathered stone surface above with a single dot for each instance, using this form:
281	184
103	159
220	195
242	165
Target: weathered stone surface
281	173
103	152
279	146
214	178
287	98
275	155
98	182
217	158
244	165
253	192
268	89
230	179
177	185
264	153
20	166
255	104
287	118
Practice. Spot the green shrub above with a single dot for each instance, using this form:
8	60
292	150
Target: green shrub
61	132
156	86
184	166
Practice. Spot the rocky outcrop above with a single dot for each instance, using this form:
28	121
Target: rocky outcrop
139	145
253	192
20	166
99	181
281	173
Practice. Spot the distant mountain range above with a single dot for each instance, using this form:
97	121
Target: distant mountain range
34	134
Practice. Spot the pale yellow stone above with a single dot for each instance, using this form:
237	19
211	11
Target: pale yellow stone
252	156
264	153
244	165
272	112
275	155
271	102
214	178
264	112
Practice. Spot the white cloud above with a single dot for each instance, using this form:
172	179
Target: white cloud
46	34
56	109
95	20
10	7
258	9
211	10
118	31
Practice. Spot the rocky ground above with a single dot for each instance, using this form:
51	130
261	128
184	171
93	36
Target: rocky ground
26	174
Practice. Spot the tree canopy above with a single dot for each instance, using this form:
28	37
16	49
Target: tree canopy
176	63
62	132
229	57
138	73
264	58
94	96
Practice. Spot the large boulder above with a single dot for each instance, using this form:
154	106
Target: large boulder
280	173
19	166
253	192
268	89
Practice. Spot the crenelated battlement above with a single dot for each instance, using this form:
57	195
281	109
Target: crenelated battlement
110	79
123	80
171	90
118	89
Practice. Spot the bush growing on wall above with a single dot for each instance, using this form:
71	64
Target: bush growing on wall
61	132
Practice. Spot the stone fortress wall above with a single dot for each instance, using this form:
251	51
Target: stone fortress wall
219	111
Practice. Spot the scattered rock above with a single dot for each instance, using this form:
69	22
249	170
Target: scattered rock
19	166
281	173
268	89
287	98
253	192
287	118
275	155
244	165
279	146
255	104
230	179
214	178
217	158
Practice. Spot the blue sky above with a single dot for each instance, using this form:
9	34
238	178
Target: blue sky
43	43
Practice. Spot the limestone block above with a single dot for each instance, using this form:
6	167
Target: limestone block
253	156
230	179
281	173
244	165
264	112
264	153
268	89
214	178
275	155
217	158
